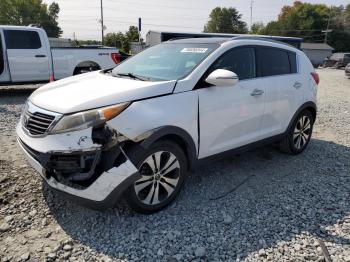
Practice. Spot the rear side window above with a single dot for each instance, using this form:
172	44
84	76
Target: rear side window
19	39
273	62
240	61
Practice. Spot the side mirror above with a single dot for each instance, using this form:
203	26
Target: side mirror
222	77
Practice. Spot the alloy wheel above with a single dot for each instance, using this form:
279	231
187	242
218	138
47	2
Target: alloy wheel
302	132
160	173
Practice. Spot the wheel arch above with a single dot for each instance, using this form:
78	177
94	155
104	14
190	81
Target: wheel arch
85	64
310	106
177	135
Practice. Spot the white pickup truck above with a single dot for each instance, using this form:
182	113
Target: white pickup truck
26	56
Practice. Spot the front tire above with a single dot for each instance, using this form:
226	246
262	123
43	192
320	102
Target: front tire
299	134
163	168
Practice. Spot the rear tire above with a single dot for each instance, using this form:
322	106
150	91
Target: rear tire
163	168
298	135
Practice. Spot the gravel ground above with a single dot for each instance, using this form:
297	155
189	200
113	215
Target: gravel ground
258	206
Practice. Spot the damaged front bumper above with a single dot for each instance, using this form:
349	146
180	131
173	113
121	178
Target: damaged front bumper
94	174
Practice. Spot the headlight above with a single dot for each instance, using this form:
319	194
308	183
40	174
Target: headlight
87	119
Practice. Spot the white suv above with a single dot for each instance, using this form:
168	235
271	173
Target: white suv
136	130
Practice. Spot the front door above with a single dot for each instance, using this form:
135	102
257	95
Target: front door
230	116
27	57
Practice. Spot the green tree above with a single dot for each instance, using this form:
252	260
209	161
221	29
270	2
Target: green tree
132	34
117	40
122	40
309	20
77	43
257	28
20	12
302	19
347	16
225	20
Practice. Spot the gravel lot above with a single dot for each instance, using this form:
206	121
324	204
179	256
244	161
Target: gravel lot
258	206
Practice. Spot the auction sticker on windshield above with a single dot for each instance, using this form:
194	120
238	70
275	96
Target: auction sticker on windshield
194	50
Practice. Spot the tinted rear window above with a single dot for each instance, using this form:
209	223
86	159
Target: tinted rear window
19	39
273	61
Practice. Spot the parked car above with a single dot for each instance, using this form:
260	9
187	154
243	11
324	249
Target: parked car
136	130
347	70
337	60
26	56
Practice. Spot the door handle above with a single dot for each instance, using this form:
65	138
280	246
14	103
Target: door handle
257	92
40	55
297	85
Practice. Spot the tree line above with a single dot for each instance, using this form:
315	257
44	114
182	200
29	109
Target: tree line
119	40
31	12
309	21
305	20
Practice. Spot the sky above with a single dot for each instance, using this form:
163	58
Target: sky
80	18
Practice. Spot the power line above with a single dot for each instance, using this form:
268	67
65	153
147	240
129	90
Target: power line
148	4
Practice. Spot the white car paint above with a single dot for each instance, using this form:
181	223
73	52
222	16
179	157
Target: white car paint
229	116
93	90
45	63
178	110
217	118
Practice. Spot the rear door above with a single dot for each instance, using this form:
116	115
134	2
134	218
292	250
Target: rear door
283	84
27	56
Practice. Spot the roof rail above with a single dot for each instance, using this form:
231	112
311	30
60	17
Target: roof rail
272	39
35	25
178	38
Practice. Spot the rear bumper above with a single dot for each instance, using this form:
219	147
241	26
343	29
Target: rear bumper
99	187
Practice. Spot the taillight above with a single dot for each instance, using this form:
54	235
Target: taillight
115	58
52	78
316	77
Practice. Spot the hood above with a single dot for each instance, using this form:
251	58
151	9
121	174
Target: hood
93	90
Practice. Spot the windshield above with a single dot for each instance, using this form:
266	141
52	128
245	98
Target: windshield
163	62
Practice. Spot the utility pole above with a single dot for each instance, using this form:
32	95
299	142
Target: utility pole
102	25
139	29
327	30
251	14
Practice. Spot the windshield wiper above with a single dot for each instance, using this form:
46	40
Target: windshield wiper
134	76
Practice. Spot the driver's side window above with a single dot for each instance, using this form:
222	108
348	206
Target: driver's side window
238	60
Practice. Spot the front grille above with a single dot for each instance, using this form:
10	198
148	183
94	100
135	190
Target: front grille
37	123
